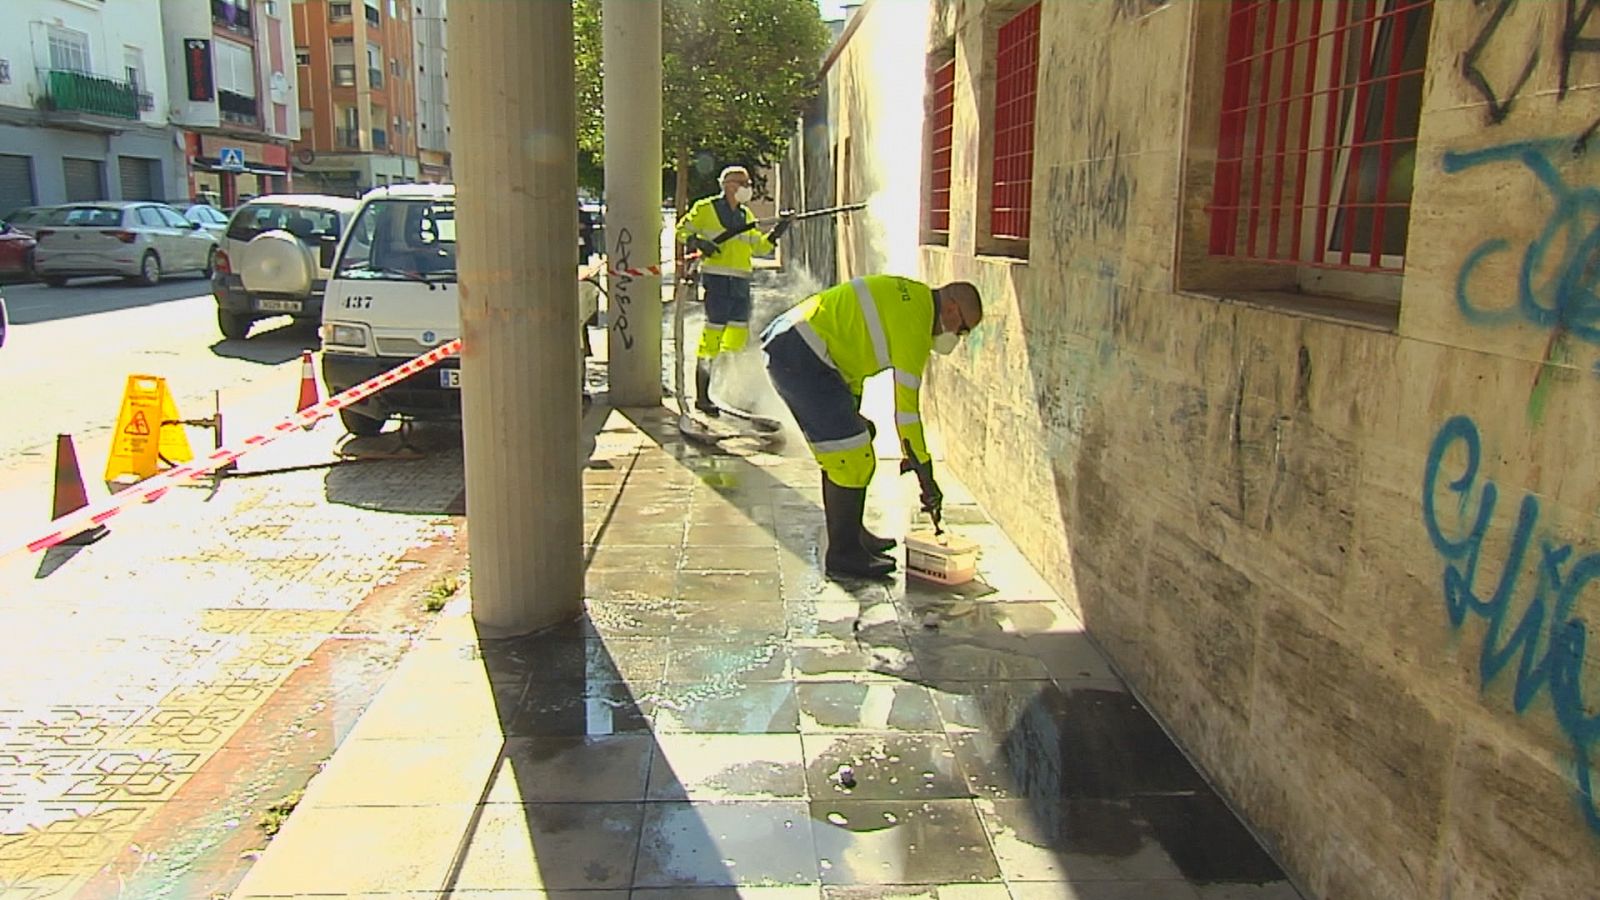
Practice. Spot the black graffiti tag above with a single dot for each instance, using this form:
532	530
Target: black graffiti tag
619	288
1572	42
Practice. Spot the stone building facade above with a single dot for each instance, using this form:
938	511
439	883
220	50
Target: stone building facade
1287	381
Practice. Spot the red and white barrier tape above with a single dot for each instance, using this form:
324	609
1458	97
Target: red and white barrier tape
636	273
156	486
693	256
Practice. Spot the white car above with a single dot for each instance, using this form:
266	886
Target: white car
137	240
210	218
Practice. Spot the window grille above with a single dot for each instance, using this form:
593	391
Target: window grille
1317	140
940	141
1016	80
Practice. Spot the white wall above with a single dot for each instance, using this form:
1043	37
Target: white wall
275	57
433	102
182	19
111	27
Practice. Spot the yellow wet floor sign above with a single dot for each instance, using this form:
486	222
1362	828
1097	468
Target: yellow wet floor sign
141	441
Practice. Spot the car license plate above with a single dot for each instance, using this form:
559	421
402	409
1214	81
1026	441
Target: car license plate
289	306
450	378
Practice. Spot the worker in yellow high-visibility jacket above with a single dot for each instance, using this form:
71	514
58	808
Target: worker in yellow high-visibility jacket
725	270
821	351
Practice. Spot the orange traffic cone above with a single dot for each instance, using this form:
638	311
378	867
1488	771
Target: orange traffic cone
70	495
308	384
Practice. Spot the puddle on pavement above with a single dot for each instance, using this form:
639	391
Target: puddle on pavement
901	842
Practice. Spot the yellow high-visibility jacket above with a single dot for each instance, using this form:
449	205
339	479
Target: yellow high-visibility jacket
873	323
734	256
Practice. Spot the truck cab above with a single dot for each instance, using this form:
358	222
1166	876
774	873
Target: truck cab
392	296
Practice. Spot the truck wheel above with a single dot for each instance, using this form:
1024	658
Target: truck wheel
234	326
359	425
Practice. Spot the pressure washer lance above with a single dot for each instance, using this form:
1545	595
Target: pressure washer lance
808	214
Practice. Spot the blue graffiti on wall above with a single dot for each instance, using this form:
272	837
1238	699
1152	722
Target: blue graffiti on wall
1559	293
1549	641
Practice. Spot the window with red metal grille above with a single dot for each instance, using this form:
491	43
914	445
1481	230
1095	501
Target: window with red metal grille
1016	80
1317	143
941	119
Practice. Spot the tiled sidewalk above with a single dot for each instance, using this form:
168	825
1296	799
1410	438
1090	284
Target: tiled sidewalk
694	731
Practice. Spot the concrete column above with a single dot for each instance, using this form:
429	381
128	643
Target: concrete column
517	187
631	34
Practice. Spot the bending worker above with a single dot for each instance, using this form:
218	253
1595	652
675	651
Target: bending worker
722	228
821	351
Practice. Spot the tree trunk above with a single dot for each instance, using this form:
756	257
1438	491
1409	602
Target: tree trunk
680	197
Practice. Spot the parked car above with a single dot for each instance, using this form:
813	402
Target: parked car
137	240
275	258
16	251
27	219
210	218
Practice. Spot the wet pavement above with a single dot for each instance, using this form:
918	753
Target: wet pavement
725	721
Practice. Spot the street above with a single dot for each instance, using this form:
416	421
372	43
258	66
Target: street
165	685
71	349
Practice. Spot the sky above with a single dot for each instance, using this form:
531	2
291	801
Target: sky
831	9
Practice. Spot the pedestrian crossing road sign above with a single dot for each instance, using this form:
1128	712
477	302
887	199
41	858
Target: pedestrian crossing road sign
230	158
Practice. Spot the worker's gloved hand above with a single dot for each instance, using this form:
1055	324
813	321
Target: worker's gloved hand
701	245
785	219
932	498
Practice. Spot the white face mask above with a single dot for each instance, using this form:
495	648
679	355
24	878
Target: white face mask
944	343
743	194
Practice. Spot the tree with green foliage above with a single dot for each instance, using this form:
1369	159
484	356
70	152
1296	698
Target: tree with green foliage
734	76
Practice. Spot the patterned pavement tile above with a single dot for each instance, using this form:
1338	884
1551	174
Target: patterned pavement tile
133	775
182	728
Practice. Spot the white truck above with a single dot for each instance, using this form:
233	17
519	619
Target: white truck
392	296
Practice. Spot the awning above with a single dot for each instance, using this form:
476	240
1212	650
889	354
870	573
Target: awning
250	168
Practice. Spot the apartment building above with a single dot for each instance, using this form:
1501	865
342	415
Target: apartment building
232	89
358	99
433	89
83	104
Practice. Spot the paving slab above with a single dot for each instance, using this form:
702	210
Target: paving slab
698	720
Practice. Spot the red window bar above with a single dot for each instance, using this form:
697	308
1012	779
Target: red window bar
1016	80
940	139
1317	143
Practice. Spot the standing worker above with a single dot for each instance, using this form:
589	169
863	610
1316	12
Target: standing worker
723	229
821	351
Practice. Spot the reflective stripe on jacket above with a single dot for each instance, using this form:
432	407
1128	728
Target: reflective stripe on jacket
870	324
734	256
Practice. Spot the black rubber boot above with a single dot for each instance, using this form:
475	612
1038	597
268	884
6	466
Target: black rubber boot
702	388
846	556
877	546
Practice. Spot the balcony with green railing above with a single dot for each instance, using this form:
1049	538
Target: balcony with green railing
81	92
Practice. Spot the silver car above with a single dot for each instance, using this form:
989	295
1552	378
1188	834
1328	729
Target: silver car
137	240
